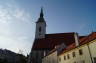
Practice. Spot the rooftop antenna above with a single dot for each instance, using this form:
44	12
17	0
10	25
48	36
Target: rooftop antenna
92	28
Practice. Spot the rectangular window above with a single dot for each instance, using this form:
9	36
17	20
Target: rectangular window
64	57
68	56
80	52
59	59
73	54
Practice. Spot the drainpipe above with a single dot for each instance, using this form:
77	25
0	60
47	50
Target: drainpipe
90	53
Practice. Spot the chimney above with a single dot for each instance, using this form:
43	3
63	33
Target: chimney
76	39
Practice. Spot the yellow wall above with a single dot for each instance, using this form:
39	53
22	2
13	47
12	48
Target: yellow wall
92	47
86	56
51	58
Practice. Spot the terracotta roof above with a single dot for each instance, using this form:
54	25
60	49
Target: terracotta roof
51	40
88	38
84	40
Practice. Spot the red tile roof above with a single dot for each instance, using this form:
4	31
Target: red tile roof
51	40
88	38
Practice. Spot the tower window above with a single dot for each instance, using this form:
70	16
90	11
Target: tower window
39	29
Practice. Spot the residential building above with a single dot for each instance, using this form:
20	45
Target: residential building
84	53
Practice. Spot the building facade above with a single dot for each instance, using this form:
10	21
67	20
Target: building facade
84	53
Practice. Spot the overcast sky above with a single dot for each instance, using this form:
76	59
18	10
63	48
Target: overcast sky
18	17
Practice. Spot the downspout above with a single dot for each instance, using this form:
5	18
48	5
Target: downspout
90	53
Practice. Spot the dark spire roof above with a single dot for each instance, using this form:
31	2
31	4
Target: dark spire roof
41	18
41	13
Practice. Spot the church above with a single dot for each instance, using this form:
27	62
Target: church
43	42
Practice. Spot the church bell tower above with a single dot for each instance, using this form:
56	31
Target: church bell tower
40	26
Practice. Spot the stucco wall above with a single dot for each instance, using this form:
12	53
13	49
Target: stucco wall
92	47
43	30
51	58
85	57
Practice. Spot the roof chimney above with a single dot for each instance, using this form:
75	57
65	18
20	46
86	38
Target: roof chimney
76	39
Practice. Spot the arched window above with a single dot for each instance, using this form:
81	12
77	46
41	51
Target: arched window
39	29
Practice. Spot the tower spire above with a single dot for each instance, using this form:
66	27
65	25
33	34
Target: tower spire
41	13
40	26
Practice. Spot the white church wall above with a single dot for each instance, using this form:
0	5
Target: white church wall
40	34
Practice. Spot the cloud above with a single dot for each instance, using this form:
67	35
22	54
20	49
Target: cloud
21	15
14	44
14	28
9	12
4	16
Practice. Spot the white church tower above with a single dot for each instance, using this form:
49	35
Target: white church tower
40	26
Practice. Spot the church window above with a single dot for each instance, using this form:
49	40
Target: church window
80	52
39	29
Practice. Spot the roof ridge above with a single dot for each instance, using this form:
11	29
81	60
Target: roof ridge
59	33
